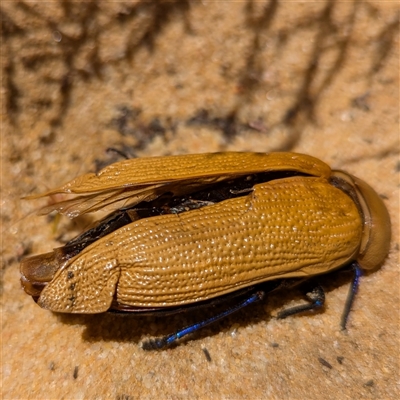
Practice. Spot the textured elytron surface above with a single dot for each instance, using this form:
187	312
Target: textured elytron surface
191	166
135	180
285	228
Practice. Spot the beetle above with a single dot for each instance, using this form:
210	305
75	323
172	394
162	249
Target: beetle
190	231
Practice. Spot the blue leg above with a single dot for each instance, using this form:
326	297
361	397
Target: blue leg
317	299
159	343
352	293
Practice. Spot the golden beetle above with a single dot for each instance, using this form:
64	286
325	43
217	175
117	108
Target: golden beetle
193	230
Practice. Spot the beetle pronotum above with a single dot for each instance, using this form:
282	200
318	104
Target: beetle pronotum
193	230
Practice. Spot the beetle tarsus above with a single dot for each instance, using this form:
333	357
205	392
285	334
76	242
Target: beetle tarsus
154	344
165	341
317	298
352	293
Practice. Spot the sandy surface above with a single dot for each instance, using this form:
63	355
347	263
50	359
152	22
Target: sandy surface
320	78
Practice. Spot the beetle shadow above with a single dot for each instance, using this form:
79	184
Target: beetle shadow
135	328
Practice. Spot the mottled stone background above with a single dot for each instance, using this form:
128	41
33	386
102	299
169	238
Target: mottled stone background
158	78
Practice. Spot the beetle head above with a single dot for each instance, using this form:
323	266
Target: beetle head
376	234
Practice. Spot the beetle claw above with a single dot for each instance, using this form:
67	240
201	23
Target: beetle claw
154	344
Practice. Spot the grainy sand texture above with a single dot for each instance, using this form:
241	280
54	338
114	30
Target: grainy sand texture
175	77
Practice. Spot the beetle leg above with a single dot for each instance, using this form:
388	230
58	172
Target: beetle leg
164	341
352	293
317	299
